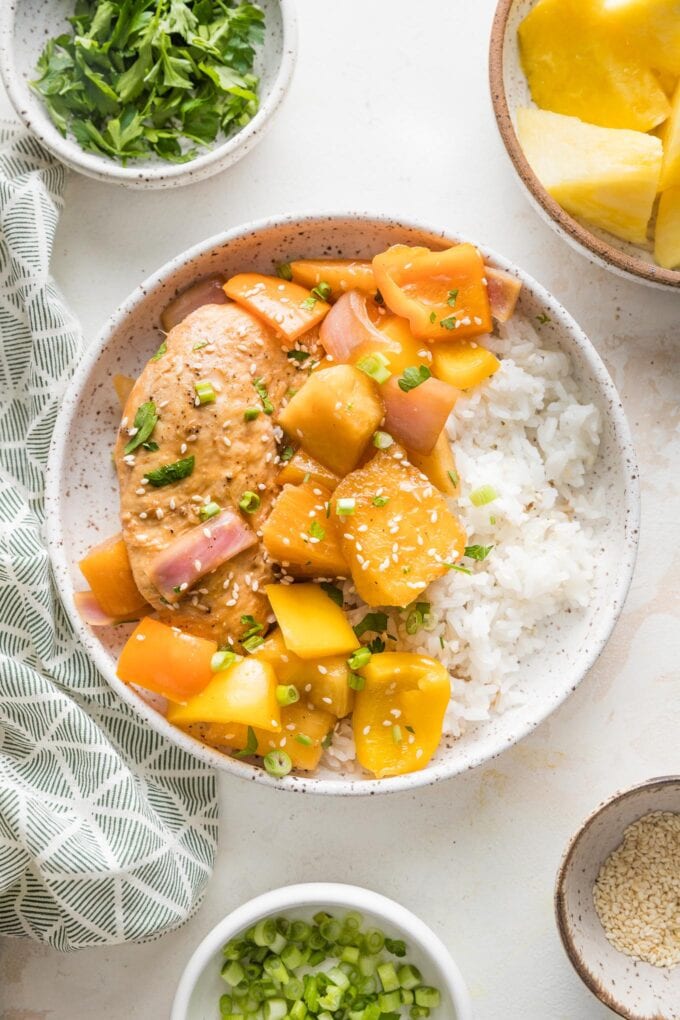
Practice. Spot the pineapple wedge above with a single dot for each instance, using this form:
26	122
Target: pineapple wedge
670	137
606	176
649	29
667	238
575	66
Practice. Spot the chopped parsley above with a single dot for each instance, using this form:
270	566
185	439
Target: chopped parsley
286	454
251	745
308	302
260	388
316	531
374	622
166	474
433	316
145	79
299	356
452	298
413	376
454	478
333	592
145	422
163	349
477	552
543	318
449	322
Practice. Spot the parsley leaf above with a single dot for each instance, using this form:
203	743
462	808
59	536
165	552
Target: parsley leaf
333	593
316	531
168	473
145	422
477	552
413	377
375	622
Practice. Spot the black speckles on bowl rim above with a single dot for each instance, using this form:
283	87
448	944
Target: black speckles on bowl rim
125	344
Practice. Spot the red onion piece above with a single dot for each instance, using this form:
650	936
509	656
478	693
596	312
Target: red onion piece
503	290
417	418
205	292
92	613
198	552
347	326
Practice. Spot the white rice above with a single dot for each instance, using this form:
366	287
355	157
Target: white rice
527	434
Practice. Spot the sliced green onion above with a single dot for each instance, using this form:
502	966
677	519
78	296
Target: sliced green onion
454	478
322	291
163	349
287	694
249	502
278	765
205	392
209	510
376	366
251	413
302	738
428	997
360	658
284	271
223	659
346	506
253	642
382	440
356	681
483	495
380	500
260	388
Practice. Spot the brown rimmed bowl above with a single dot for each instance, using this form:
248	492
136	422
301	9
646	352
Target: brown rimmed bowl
509	91
635	990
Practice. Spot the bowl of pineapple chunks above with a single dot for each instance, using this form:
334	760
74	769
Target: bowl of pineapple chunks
586	94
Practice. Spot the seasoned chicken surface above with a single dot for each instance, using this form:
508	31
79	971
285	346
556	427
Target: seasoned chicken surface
227	347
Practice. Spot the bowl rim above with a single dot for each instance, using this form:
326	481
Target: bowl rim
61	567
560	901
101	168
606	254
316	893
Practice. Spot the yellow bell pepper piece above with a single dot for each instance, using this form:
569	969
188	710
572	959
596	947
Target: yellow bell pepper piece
463	364
245	693
301	737
322	683
313	626
399	715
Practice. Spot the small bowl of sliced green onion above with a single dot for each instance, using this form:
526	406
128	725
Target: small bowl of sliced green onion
321	952
150	95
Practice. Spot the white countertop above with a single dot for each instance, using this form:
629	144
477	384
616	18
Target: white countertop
389	111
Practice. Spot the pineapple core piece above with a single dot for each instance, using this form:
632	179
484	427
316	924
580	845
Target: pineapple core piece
576	64
667	239
606	176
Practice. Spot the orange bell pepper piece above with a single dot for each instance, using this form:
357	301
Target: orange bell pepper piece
463	363
108	572
340	275
439	292
399	715
166	660
286	307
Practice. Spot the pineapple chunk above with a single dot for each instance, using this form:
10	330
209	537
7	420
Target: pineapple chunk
301	533
575	66
670	137
395	548
603	175
301	467
322	683
667	240
648	28
334	416
439	466
302	735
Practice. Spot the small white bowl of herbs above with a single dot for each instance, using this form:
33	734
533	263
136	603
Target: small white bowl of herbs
321	952
147	93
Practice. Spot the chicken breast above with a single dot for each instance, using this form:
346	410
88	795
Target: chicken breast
241	358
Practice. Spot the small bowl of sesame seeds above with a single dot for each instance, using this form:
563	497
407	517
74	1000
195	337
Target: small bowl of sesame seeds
617	901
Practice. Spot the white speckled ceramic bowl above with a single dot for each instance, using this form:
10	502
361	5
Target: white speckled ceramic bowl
200	986
632	989
25	27
509	91
82	500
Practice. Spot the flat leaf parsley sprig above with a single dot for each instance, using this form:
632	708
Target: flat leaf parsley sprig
141	78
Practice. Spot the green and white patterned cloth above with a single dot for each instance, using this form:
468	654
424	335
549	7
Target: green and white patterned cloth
107	832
